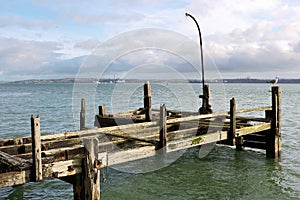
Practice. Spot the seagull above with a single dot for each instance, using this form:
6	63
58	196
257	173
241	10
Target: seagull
274	81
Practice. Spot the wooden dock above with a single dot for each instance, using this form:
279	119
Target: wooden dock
77	157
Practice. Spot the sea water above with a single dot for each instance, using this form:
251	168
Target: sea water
222	174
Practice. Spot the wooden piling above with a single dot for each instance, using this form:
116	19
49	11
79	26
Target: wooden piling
239	143
162	127
102	110
36	149
273	145
147	102
232	129
91	174
82	114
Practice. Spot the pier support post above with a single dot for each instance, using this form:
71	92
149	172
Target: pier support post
162	127
206	107
82	114
90	172
36	149
232	129
147	102
86	185
273	145
102	110
239	143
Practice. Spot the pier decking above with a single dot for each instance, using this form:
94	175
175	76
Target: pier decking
77	157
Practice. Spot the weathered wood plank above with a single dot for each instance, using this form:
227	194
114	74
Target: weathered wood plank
196	141
14	178
253	109
15	141
62	168
253	129
10	163
256	119
130	155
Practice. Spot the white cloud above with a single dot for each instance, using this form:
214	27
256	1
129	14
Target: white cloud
250	37
89	44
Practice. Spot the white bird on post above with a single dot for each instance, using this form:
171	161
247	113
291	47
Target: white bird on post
274	81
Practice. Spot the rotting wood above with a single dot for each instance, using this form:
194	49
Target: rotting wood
86	133
273	145
163	127
253	109
36	149
63	154
90	172
102	110
253	129
255	119
154	142
82	114
147	102
62	168
10	163
239	143
14	178
196	141
232	130
130	155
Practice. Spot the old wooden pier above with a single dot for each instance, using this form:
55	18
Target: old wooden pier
77	157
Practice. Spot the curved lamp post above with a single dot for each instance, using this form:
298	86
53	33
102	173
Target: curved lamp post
205	109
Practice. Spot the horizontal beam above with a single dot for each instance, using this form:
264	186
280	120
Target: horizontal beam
14	178
11	163
62	168
130	155
253	109
196	141
253	129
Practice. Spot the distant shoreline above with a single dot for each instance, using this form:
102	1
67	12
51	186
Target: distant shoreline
88	80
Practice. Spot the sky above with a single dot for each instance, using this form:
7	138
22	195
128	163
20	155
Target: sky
54	39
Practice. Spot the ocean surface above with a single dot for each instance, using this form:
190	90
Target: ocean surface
222	174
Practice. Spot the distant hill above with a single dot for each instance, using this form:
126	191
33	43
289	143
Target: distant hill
259	80
246	80
64	80
90	80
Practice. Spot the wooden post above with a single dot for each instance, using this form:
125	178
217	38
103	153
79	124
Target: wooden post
82	114
273	145
232	130
162	127
78	185
90	173
36	149
102	110
206	107
147	102
239	143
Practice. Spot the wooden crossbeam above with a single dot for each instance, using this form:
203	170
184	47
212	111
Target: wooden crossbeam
10	163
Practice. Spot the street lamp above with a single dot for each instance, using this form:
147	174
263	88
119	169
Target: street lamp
205	109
